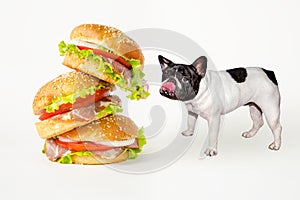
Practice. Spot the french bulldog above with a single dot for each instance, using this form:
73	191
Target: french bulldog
212	94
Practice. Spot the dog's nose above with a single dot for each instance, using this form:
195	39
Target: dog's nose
172	80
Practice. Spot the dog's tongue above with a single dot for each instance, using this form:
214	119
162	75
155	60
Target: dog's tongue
168	86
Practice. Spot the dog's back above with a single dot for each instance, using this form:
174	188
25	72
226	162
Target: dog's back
245	85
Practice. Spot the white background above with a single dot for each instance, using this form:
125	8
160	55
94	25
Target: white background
234	33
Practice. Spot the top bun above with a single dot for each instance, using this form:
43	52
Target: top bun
63	85
110	128
111	37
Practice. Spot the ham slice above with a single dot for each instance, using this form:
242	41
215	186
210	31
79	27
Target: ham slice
109	154
87	113
54	151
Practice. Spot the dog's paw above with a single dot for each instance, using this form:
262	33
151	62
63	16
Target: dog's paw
187	133
248	134
274	146
211	152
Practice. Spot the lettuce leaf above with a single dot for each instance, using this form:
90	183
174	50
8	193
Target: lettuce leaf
134	63
110	109
67	159
136	83
72	97
133	153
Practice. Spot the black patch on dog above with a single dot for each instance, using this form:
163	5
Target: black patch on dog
238	74
255	105
271	76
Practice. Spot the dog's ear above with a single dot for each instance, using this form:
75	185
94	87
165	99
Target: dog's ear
201	65
164	62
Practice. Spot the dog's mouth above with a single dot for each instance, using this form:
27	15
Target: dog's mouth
168	90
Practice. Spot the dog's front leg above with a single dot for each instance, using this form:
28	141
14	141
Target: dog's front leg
213	133
192	118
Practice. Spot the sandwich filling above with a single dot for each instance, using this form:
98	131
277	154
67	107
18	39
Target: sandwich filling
61	149
80	99
106	106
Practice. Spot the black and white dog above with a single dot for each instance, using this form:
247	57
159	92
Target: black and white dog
212	94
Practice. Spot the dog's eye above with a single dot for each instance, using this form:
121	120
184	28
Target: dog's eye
185	79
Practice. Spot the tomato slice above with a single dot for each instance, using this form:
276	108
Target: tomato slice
80	102
107	55
82	146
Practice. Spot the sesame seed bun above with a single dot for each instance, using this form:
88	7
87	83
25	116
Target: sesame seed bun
63	85
111	37
109	128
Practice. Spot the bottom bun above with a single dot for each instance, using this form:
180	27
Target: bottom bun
96	160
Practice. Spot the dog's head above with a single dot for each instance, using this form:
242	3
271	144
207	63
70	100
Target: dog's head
181	82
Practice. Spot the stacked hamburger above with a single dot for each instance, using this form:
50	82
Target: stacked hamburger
78	112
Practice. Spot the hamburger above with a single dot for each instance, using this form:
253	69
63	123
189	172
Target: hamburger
79	121
71	100
111	139
108	54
